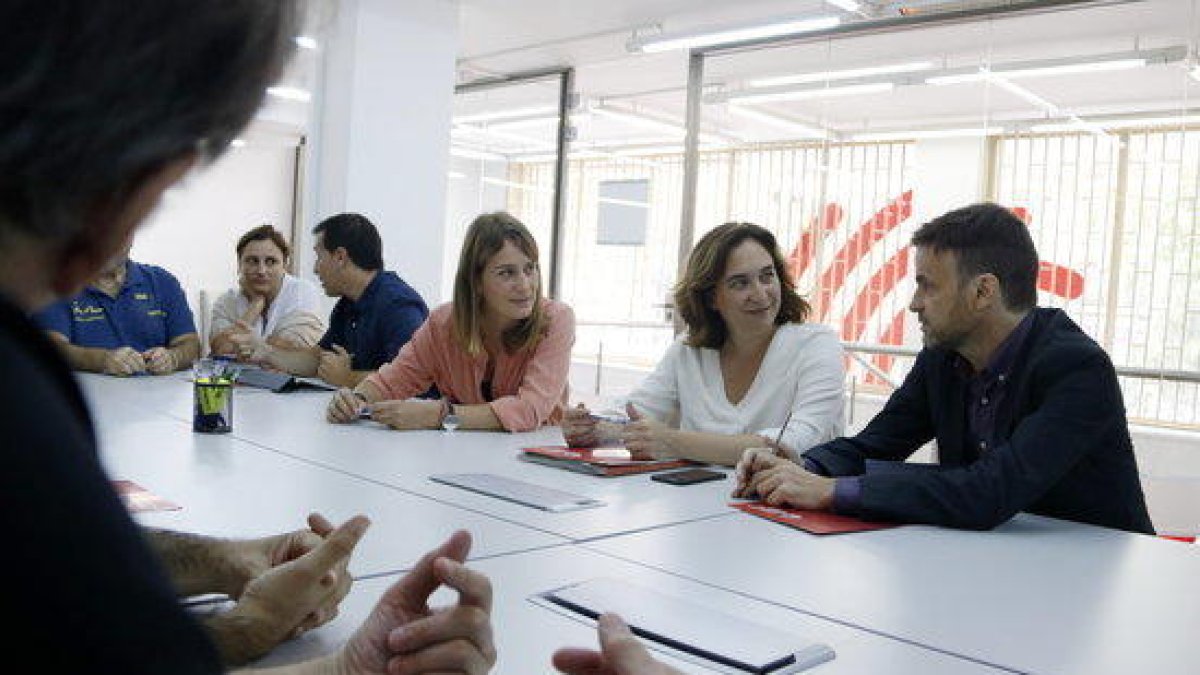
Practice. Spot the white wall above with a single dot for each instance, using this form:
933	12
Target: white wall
467	197
193	231
381	129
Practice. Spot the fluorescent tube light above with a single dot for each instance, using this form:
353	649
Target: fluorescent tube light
662	43
777	121
1071	68
814	92
927	133
1020	73
506	114
469	153
1128	123
848	5
644	121
290	93
534	144
1024	93
306	42
526	122
806	78
237	143
517	186
649	122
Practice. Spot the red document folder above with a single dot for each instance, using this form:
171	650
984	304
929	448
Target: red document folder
816	522
584	460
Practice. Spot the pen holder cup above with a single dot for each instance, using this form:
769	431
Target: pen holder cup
212	407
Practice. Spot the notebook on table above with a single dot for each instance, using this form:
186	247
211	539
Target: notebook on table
816	522
597	461
688	630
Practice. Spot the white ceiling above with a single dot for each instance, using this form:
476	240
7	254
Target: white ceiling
501	37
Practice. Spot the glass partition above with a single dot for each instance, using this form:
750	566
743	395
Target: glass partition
1079	119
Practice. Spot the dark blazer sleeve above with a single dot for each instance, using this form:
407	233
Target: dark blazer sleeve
904	424
1076	408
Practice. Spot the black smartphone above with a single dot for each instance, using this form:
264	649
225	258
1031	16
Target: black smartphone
687	476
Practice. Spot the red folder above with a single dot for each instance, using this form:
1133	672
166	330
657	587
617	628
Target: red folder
584	460
816	522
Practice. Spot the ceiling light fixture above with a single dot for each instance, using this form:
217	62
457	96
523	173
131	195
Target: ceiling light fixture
1092	66
516	186
918	134
719	36
848	5
813	92
532	144
532	111
471	153
306	42
290	93
648	121
803	130
1124	123
807	78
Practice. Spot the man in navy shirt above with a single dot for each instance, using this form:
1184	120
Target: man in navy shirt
375	315
131	319
1026	408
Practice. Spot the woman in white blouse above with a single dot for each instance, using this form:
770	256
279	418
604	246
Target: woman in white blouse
747	365
269	306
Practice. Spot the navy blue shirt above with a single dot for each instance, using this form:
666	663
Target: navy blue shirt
987	388
91	594
984	392
150	311
375	327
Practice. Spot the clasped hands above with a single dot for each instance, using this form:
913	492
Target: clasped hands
287	584
645	438
346	406
763	474
124	361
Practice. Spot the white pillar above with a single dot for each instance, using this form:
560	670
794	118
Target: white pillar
381	129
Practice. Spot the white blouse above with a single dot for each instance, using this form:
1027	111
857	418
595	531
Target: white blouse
294	315
802	371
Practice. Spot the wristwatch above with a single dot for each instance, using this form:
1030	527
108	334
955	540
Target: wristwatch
450	419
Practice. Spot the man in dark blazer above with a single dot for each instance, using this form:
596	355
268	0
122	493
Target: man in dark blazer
1026	409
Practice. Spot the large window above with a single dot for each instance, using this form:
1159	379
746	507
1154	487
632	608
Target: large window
1115	219
1078	117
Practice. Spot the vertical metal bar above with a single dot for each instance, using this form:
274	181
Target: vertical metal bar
691	162
298	174
599	362
566	85
1118	236
853	399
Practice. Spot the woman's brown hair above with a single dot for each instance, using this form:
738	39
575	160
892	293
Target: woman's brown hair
265	233
706	264
485	237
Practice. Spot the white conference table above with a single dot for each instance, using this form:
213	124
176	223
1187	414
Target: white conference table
230	488
294	424
527	634
1034	595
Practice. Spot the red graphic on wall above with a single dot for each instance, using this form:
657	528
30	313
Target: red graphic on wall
886	274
